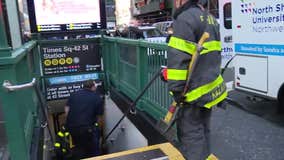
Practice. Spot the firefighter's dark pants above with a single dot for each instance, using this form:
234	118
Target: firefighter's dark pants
193	132
86	141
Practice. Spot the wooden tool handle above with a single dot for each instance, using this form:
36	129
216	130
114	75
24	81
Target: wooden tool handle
194	60
203	38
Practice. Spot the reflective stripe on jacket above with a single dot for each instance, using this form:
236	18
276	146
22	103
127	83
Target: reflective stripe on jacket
206	87
62	143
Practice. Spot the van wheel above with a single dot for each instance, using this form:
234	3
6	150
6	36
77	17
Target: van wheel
280	98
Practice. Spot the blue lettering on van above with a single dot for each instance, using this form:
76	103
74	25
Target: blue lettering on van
227	49
279	7
267	9
263	49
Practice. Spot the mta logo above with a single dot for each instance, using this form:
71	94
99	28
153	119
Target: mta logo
247	7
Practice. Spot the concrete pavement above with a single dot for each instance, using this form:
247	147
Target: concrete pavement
238	134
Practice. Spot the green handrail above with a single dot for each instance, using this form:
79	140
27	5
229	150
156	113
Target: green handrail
130	64
20	108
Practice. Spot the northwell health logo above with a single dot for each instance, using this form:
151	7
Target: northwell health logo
247	7
263	17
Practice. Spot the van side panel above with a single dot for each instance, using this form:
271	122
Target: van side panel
275	74
251	73
258	32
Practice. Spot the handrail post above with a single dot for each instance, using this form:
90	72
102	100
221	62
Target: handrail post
20	107
117	61
10	87
13	123
4	47
142	66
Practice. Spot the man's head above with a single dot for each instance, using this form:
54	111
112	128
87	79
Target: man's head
89	84
185	4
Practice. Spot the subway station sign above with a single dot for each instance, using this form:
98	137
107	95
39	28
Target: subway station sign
70	58
62	87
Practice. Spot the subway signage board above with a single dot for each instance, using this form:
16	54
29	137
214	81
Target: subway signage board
70	58
63	86
51	16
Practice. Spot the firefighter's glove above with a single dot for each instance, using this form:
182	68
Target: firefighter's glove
179	98
164	74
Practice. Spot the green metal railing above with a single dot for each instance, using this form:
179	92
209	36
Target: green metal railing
20	108
130	64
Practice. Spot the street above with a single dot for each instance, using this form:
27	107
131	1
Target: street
254	132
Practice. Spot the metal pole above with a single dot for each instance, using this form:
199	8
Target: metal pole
132	106
3	36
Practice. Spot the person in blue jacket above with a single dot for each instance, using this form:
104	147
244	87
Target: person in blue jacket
84	110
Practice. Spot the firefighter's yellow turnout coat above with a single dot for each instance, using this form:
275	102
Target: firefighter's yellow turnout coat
206	86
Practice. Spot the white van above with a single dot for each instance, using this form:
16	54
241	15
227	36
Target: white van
258	32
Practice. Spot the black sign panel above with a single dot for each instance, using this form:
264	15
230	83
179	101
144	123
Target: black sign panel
52	16
62	87
70	58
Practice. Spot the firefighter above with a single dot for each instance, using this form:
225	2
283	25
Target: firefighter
62	145
206	87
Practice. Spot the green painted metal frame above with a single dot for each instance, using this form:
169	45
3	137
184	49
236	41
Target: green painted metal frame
4	47
150	56
20	108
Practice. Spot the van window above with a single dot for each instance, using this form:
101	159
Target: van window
227	16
